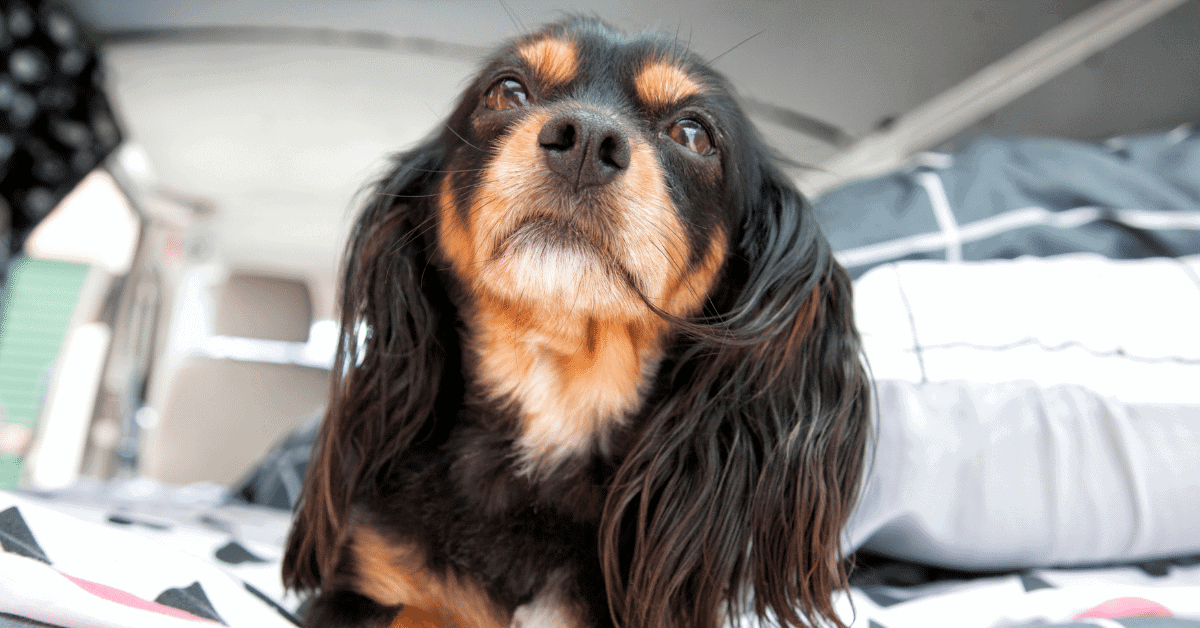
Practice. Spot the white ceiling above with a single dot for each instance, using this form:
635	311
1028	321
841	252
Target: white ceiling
277	137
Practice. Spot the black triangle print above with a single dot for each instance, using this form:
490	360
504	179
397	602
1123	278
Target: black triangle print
13	621
880	595
235	554
1034	583
16	538
266	599
192	600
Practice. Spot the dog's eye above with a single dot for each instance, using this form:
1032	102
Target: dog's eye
691	135
505	94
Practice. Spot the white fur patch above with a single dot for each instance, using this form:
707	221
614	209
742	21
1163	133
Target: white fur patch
549	609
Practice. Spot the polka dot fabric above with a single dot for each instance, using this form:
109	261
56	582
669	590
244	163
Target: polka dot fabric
55	123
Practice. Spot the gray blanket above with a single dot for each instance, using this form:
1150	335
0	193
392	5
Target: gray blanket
1132	197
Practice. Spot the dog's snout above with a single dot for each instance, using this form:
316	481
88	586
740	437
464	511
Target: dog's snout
586	148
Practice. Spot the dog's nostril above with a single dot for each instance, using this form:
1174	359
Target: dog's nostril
558	134
614	152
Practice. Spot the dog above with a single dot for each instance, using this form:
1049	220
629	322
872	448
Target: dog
598	364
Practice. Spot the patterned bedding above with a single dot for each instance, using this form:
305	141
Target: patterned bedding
1130	198
136	554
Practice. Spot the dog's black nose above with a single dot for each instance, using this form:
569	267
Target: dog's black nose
585	147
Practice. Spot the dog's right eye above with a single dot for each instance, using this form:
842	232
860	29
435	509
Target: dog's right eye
505	94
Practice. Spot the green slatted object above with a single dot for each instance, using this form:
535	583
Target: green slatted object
39	302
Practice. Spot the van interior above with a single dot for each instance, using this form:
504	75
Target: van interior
171	321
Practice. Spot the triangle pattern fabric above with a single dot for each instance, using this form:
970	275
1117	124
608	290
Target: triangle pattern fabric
235	553
13	621
192	600
1033	583
17	538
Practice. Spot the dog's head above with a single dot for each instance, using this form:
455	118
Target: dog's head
590	181
593	172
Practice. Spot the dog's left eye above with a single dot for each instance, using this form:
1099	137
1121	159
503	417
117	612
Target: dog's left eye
691	135
505	94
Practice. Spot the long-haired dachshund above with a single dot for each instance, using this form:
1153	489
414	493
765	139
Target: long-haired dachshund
599	365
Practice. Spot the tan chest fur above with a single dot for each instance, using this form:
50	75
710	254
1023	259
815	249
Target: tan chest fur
573	379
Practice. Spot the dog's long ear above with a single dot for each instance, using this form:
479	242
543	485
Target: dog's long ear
735	493
389	363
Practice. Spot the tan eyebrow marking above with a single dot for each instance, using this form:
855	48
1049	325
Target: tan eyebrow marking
661	83
554	61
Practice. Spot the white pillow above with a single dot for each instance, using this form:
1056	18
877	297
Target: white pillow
1126	329
1012	432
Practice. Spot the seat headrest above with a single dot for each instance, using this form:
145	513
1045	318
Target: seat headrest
269	308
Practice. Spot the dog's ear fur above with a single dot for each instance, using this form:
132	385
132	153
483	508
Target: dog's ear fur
736	490
386	378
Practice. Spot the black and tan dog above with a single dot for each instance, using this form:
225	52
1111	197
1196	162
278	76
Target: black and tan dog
599	363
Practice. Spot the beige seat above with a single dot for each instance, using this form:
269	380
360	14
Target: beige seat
219	416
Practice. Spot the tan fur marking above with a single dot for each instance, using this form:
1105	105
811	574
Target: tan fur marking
688	294
574	378
453	237
393	574
413	617
661	83
553	61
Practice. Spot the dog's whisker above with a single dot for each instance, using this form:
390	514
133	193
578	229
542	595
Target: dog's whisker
435	194
464	140
417	232
407	195
675	41
411	168
512	17
449	171
713	60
